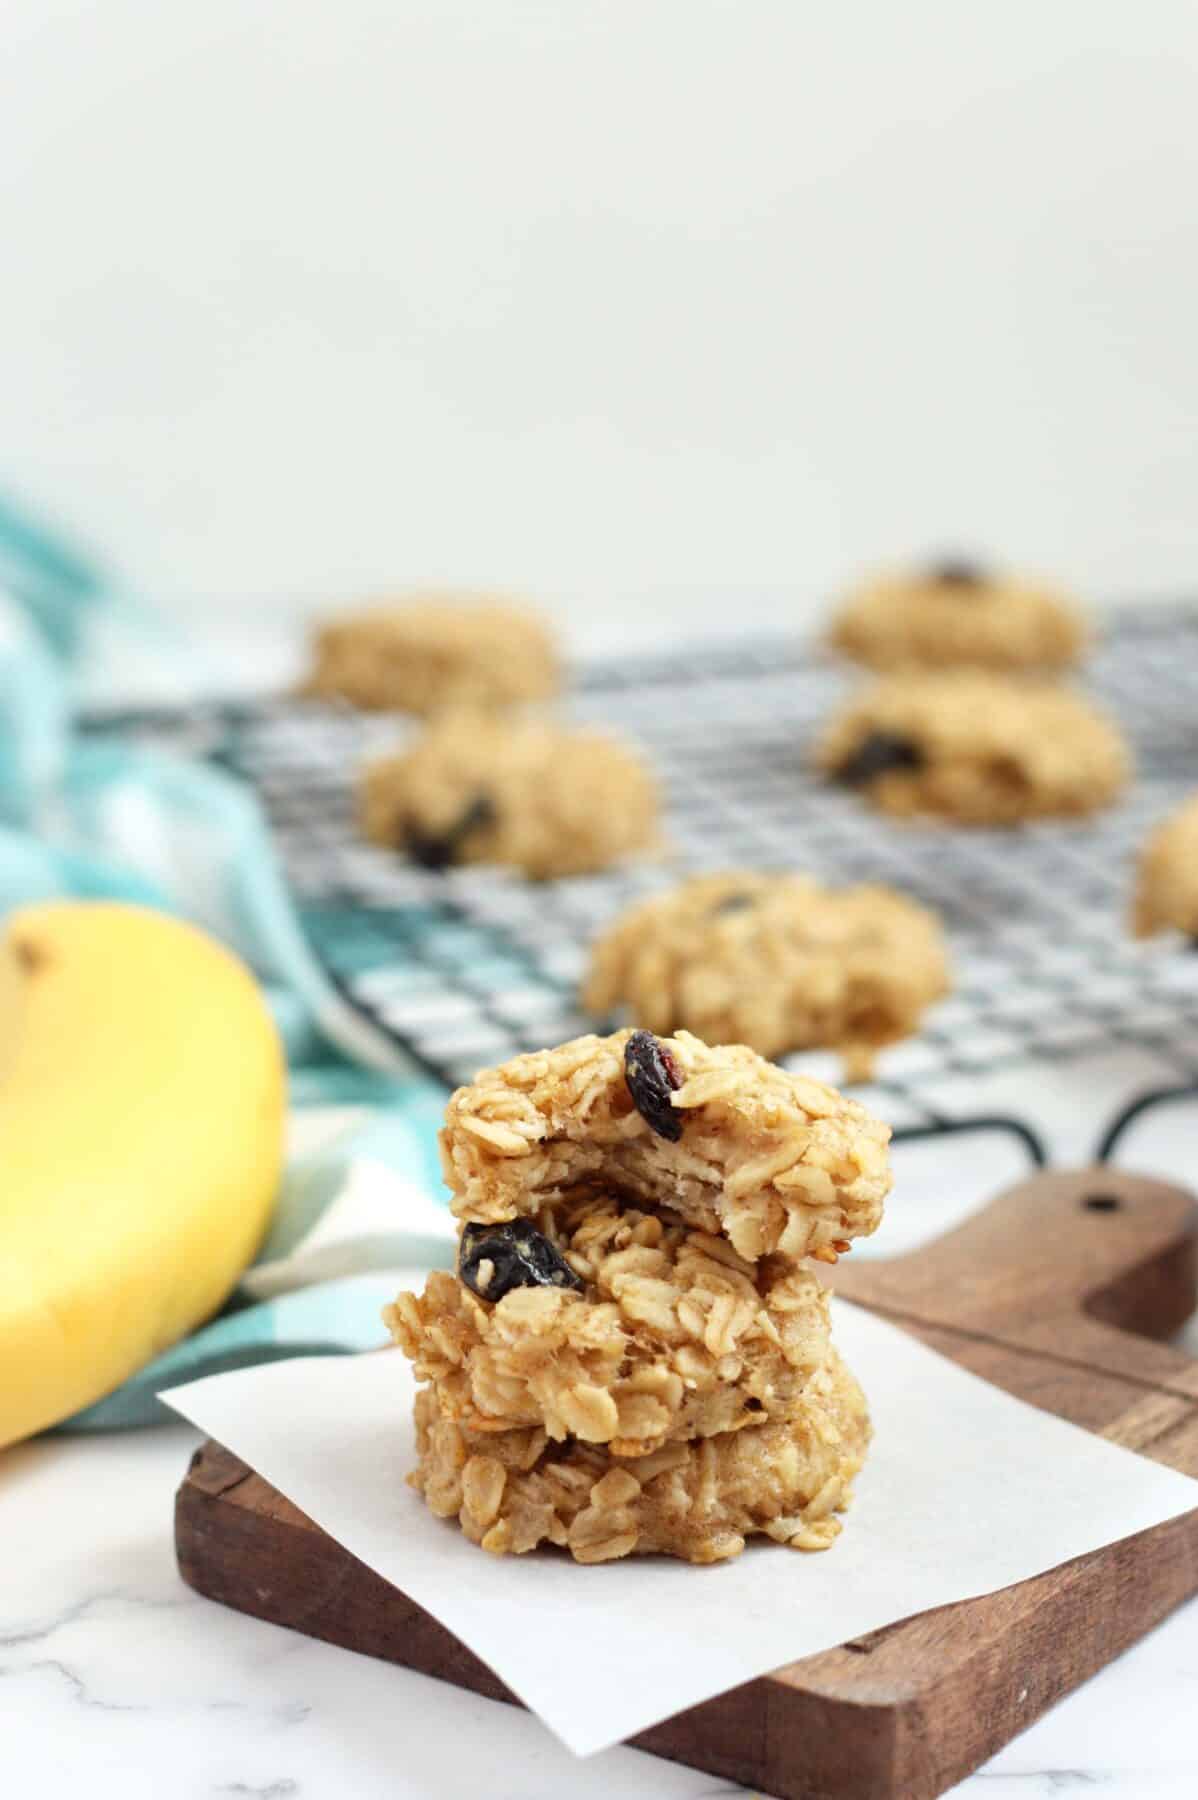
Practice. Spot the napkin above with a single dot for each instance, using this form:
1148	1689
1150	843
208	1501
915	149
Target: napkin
966	1490
347	1207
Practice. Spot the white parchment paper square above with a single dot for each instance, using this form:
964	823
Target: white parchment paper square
966	1490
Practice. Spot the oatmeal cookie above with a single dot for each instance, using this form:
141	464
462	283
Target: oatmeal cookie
1167	881
669	1334
954	613
731	1145
773	961
976	748
480	788
785	1479
429	653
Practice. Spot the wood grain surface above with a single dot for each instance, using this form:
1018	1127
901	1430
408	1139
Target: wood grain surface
1056	1292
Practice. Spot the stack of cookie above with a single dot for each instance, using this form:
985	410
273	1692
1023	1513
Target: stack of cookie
634	1352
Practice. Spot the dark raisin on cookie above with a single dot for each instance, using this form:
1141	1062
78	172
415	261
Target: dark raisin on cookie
652	1075
519	1256
732	903
431	850
438	850
958	572
879	753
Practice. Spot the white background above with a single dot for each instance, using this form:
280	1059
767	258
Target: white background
669	312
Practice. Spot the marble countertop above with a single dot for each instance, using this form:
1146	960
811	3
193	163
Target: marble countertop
117	1681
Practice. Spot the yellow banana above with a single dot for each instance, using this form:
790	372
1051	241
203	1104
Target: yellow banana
142	1095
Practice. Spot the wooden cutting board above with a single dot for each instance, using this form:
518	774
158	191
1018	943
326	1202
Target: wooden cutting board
1038	1293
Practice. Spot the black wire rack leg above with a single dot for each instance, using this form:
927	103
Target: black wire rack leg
1136	1109
941	1128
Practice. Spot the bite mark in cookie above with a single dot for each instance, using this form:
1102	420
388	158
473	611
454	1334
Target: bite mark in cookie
772	1161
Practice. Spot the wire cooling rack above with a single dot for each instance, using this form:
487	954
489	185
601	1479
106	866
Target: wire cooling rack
466	968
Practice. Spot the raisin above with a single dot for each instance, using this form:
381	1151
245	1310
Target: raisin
427	848
519	1255
879	753
652	1075
439	850
958	572
731	903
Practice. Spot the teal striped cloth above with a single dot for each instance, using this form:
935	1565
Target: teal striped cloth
112	820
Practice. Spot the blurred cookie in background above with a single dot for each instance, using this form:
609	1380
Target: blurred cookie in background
482	788
1166	897
974	748
773	961
954	612
432	652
